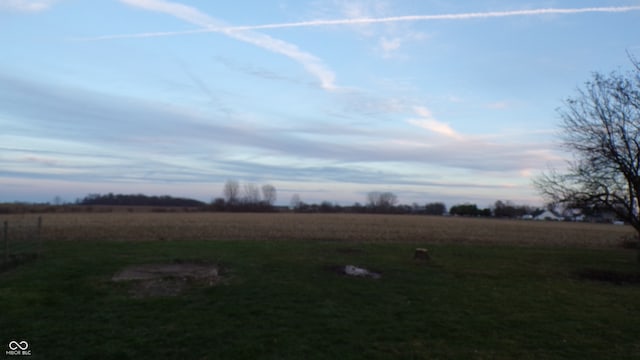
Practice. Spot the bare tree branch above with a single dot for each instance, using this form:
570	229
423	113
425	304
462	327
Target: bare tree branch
601	128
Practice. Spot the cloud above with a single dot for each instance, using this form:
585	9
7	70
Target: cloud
92	123
389	45
357	9
428	122
40	160
183	12
353	9
311	63
26	5
498	105
259	72
121	142
201	85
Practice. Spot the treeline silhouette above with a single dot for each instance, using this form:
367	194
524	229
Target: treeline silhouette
138	200
248	198
220	204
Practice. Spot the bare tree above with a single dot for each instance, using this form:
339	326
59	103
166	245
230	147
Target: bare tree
269	195
601	127
251	194
295	202
231	192
381	200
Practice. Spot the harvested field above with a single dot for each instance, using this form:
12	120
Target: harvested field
120	226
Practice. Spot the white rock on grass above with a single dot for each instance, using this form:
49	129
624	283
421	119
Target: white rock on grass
352	270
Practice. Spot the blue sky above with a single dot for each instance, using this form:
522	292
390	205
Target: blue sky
330	99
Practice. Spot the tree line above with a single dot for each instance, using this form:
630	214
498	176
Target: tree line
111	199
246	197
250	197
387	203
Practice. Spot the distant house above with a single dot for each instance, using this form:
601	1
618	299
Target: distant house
573	214
579	218
548	215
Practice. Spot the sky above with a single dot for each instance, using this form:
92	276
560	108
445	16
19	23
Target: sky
451	101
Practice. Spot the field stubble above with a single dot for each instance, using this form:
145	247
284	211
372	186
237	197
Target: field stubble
326	227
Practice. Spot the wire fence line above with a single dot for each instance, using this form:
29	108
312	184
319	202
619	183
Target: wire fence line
21	241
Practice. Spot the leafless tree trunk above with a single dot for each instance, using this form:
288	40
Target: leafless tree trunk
231	191
381	200
601	128
295	202
251	194
269	195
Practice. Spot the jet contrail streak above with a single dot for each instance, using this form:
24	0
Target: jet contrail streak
463	16
363	21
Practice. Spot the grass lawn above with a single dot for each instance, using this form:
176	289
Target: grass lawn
285	300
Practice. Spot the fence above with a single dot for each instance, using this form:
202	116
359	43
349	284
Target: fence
21	241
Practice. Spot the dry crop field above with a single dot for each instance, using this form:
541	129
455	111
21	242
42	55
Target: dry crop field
120	226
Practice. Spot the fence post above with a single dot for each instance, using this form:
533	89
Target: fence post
6	241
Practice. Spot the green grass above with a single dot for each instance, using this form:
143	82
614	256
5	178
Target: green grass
283	300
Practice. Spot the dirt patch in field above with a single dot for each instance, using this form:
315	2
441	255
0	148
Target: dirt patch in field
151	280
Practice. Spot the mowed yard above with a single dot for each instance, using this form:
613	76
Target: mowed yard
493	289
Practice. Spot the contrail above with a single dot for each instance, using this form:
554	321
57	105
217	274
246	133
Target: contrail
363	21
190	14
463	16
